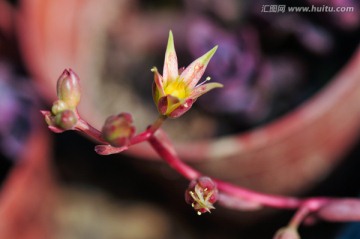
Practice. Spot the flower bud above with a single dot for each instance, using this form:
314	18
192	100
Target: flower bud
66	119
287	233
118	129
68	88
202	193
58	106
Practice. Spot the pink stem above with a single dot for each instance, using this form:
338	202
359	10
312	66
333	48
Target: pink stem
167	152
308	206
89	130
84	127
299	217
169	155
264	199
144	136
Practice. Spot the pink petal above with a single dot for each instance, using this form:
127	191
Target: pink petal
170	70
182	109
192	74
166	103
159	81
162	105
202	89
108	149
45	112
55	129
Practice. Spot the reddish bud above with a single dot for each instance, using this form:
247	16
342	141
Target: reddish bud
287	233
66	119
118	129
202	193
68	88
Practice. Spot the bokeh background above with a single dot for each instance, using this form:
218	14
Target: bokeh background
271	64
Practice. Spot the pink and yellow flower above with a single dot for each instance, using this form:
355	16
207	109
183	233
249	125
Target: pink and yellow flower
175	91
202	193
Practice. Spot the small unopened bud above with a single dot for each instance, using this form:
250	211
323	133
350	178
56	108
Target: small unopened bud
66	119
201	194
58	106
287	233
118	129
68	88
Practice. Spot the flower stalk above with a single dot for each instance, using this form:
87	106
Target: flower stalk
174	93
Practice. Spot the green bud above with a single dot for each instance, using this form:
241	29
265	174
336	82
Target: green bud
66	119
118	129
68	88
58	106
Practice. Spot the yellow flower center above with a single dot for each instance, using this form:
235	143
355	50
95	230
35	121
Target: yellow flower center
176	88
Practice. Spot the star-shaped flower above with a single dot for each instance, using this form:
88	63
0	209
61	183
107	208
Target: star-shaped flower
176	90
202	193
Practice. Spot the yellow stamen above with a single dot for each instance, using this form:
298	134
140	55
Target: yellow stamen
176	88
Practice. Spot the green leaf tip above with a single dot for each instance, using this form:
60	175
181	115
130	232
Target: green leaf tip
170	44
204	59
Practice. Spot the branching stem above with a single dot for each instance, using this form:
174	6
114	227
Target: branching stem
246	198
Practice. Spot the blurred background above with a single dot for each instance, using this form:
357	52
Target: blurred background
286	122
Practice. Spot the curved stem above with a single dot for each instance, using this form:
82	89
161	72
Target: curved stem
89	130
157	124
308	206
169	155
144	136
86	128
252	196
299	217
166	151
